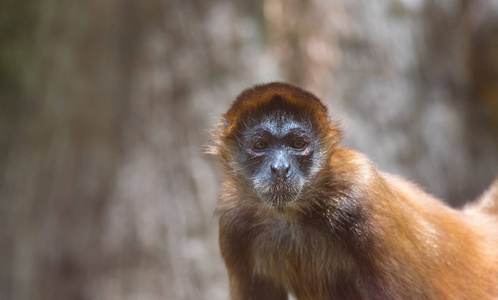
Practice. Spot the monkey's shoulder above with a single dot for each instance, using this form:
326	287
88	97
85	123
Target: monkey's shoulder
355	170
352	167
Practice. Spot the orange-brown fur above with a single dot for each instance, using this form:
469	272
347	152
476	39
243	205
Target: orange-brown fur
358	233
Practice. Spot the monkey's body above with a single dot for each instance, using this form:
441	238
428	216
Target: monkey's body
351	232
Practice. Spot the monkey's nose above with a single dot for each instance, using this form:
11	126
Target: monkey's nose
281	171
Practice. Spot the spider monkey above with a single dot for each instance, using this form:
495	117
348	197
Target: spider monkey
301	214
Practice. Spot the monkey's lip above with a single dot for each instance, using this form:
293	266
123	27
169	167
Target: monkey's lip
281	187
280	195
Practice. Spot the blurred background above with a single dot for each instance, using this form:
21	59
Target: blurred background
106	105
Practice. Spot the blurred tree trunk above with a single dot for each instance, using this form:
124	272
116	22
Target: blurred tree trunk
68	102
104	190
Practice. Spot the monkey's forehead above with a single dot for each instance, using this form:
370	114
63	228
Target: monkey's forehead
276	125
262	100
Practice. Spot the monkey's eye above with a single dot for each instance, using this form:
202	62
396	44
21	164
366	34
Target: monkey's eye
299	144
260	145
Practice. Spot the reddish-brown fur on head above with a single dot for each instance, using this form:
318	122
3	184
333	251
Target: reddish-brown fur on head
252	99
255	97
352	231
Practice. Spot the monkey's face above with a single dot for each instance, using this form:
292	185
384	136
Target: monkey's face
277	154
273	143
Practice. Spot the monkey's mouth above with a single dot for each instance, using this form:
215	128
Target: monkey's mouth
279	193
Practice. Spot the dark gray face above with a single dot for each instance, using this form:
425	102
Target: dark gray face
277	155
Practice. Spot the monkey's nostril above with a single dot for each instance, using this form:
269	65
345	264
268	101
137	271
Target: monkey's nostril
281	171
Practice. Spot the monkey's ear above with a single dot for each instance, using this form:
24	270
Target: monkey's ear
217	132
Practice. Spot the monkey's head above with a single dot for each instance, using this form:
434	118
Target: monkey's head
274	141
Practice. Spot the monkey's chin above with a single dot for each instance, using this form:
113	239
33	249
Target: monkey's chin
279	198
